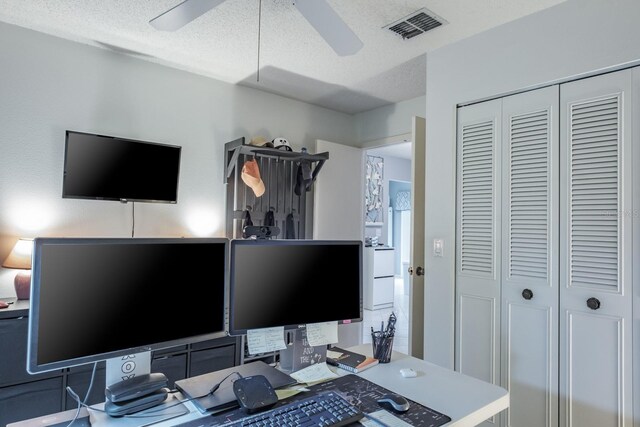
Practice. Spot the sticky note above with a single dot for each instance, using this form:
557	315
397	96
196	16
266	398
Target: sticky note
322	333
265	340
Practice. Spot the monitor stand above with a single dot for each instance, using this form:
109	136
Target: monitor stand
299	354
127	367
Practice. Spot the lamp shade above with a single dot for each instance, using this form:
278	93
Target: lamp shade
20	256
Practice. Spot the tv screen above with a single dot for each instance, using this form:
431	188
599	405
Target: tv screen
109	168
294	282
94	299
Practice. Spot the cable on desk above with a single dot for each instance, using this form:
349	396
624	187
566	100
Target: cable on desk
86	396
147	413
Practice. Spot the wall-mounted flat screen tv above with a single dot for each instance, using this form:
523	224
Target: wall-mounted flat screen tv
109	168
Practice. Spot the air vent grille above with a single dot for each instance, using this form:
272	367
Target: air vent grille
415	24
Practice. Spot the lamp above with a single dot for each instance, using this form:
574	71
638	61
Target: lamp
20	258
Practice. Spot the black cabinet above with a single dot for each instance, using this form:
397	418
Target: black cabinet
204	361
13	357
174	366
28	400
24	396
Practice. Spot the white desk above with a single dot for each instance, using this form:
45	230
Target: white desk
466	400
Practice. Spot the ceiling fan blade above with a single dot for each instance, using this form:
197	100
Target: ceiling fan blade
180	15
330	26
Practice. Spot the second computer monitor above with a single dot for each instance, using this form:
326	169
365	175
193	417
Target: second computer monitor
292	283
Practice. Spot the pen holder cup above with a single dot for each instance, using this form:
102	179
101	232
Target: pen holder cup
382	346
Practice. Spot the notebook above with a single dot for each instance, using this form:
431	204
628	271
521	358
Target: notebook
350	361
224	398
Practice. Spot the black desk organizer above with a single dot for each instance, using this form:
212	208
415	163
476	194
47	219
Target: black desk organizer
278	172
357	391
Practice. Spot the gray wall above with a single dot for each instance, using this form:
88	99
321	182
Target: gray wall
48	85
573	38
389	120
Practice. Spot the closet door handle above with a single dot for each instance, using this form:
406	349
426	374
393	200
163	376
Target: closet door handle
527	294
419	271
593	303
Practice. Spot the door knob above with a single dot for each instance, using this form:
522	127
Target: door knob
593	303
527	294
419	271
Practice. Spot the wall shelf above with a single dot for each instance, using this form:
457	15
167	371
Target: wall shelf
278	170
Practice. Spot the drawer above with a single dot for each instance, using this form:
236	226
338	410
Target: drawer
174	367
217	342
29	400
382	291
383	261
13	357
205	361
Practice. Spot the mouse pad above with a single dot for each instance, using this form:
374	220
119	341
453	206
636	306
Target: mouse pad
358	392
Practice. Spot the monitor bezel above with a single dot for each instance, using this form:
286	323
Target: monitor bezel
32	343
119	139
234	243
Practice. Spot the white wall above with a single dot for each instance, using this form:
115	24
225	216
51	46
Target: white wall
389	120
48	85
575	37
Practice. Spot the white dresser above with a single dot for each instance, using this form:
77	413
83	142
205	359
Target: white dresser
378	277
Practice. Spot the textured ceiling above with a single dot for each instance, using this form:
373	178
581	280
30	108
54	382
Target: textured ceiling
294	60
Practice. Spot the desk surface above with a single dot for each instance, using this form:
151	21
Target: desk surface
466	400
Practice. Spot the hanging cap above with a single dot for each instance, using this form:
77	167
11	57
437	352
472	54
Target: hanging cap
251	177
260	141
282	144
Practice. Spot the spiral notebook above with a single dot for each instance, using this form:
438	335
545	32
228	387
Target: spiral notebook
349	361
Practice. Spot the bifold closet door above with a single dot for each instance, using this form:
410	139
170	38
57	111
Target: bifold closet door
478	243
529	315
595	264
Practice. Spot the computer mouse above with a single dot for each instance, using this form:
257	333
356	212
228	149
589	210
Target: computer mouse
395	402
3	304
408	373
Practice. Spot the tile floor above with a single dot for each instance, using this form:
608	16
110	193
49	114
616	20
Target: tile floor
372	318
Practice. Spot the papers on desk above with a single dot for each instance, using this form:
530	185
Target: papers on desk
265	340
313	374
322	333
284	393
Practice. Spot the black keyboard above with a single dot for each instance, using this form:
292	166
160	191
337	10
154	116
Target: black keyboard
325	409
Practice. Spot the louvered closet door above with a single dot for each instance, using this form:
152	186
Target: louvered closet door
530	212
478	242
595	265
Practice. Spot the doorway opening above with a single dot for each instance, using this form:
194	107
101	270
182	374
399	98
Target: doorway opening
388	289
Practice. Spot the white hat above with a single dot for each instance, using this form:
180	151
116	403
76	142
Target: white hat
282	144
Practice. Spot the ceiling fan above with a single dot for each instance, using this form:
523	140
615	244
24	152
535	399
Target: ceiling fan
319	13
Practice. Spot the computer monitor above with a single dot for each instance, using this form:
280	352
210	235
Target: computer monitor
97	299
291	283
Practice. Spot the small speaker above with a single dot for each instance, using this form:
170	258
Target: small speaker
254	393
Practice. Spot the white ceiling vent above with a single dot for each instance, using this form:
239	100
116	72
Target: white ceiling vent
417	23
